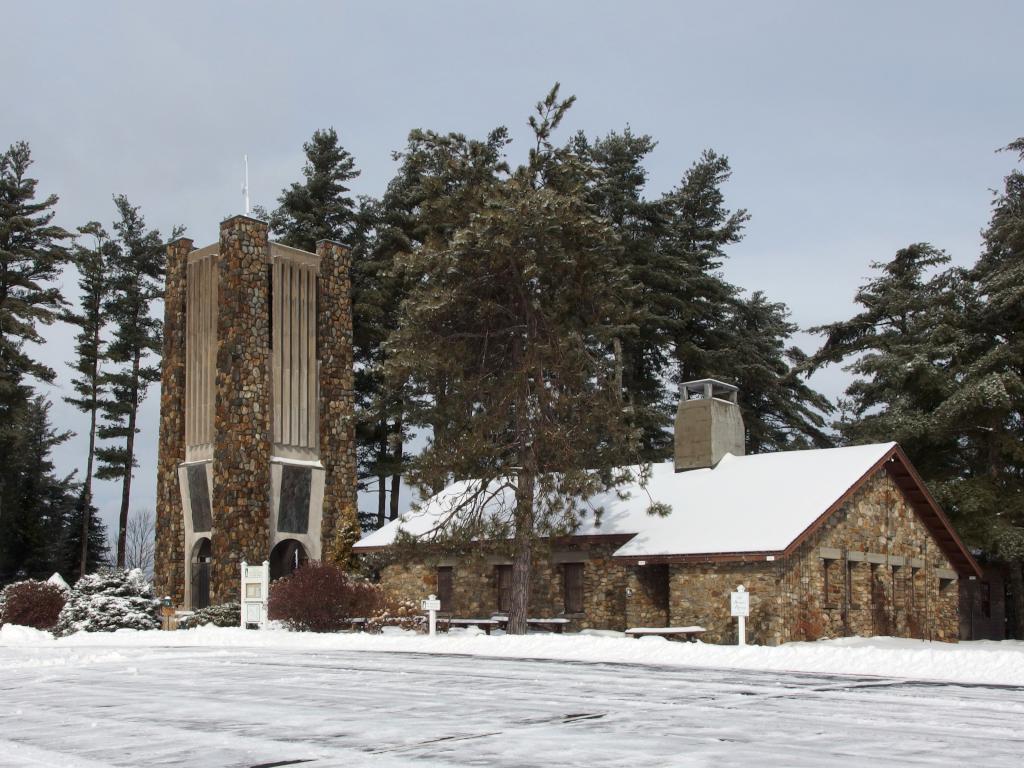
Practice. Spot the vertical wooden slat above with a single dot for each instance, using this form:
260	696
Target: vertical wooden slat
300	306
211	348
276	340
311	371
204	383
189	351
295	347
286	359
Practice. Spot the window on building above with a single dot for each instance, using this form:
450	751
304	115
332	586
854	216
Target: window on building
503	582
912	589
445	591
851	592
831	594
986	599
572	587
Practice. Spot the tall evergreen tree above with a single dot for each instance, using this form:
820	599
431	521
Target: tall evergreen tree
616	190
31	257
93	263
780	410
901	350
438	187
988	401
136	281
318	208
36	500
515	311
97	554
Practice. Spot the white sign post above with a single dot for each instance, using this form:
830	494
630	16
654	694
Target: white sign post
255	593
740	604
431	605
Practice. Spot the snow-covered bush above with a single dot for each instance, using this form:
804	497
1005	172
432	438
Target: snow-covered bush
404	614
31	603
322	597
226	615
109	600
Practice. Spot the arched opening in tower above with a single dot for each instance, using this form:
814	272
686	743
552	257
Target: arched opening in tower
202	555
286	557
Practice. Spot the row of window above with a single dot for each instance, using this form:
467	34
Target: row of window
839	586
572	587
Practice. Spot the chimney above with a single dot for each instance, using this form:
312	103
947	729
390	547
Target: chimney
708	424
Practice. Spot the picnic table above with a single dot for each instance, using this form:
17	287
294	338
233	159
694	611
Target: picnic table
690	634
485	624
555	624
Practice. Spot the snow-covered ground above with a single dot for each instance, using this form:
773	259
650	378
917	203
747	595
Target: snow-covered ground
226	697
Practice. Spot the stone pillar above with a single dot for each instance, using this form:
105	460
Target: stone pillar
340	527
169	567
242	440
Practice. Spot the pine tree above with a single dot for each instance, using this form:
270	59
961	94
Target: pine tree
319	208
988	401
780	411
690	301
616	190
900	346
93	263
437	189
31	258
36	500
69	561
515	311
136	281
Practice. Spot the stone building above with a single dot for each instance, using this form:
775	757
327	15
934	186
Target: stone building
257	452
831	542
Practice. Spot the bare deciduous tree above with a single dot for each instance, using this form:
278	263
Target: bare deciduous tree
140	541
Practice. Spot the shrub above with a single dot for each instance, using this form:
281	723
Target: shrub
322	597
31	603
226	615
107	601
403	614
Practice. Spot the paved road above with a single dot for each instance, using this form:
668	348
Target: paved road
213	707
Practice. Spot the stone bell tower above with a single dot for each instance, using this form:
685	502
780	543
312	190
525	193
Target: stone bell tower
257	444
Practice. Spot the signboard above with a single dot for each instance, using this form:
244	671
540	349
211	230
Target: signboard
255	593
430	605
740	603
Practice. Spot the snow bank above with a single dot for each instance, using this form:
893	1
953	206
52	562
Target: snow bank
969	662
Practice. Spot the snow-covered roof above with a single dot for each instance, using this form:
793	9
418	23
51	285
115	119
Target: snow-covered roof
757	503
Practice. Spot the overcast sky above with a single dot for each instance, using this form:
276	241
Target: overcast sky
853	129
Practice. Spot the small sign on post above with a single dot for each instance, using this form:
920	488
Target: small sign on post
740	605
255	594
431	605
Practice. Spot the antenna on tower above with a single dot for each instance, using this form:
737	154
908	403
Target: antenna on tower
245	183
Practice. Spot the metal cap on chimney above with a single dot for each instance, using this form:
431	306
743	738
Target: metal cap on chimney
708	424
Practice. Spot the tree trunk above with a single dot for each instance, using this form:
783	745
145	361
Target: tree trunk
522	557
396	479
1017	596
87	487
126	486
382	485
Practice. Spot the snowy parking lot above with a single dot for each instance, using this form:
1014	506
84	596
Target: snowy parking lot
135	701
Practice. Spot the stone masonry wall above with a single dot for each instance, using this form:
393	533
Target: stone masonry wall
475	586
872	598
340	526
242	437
169	556
699	595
